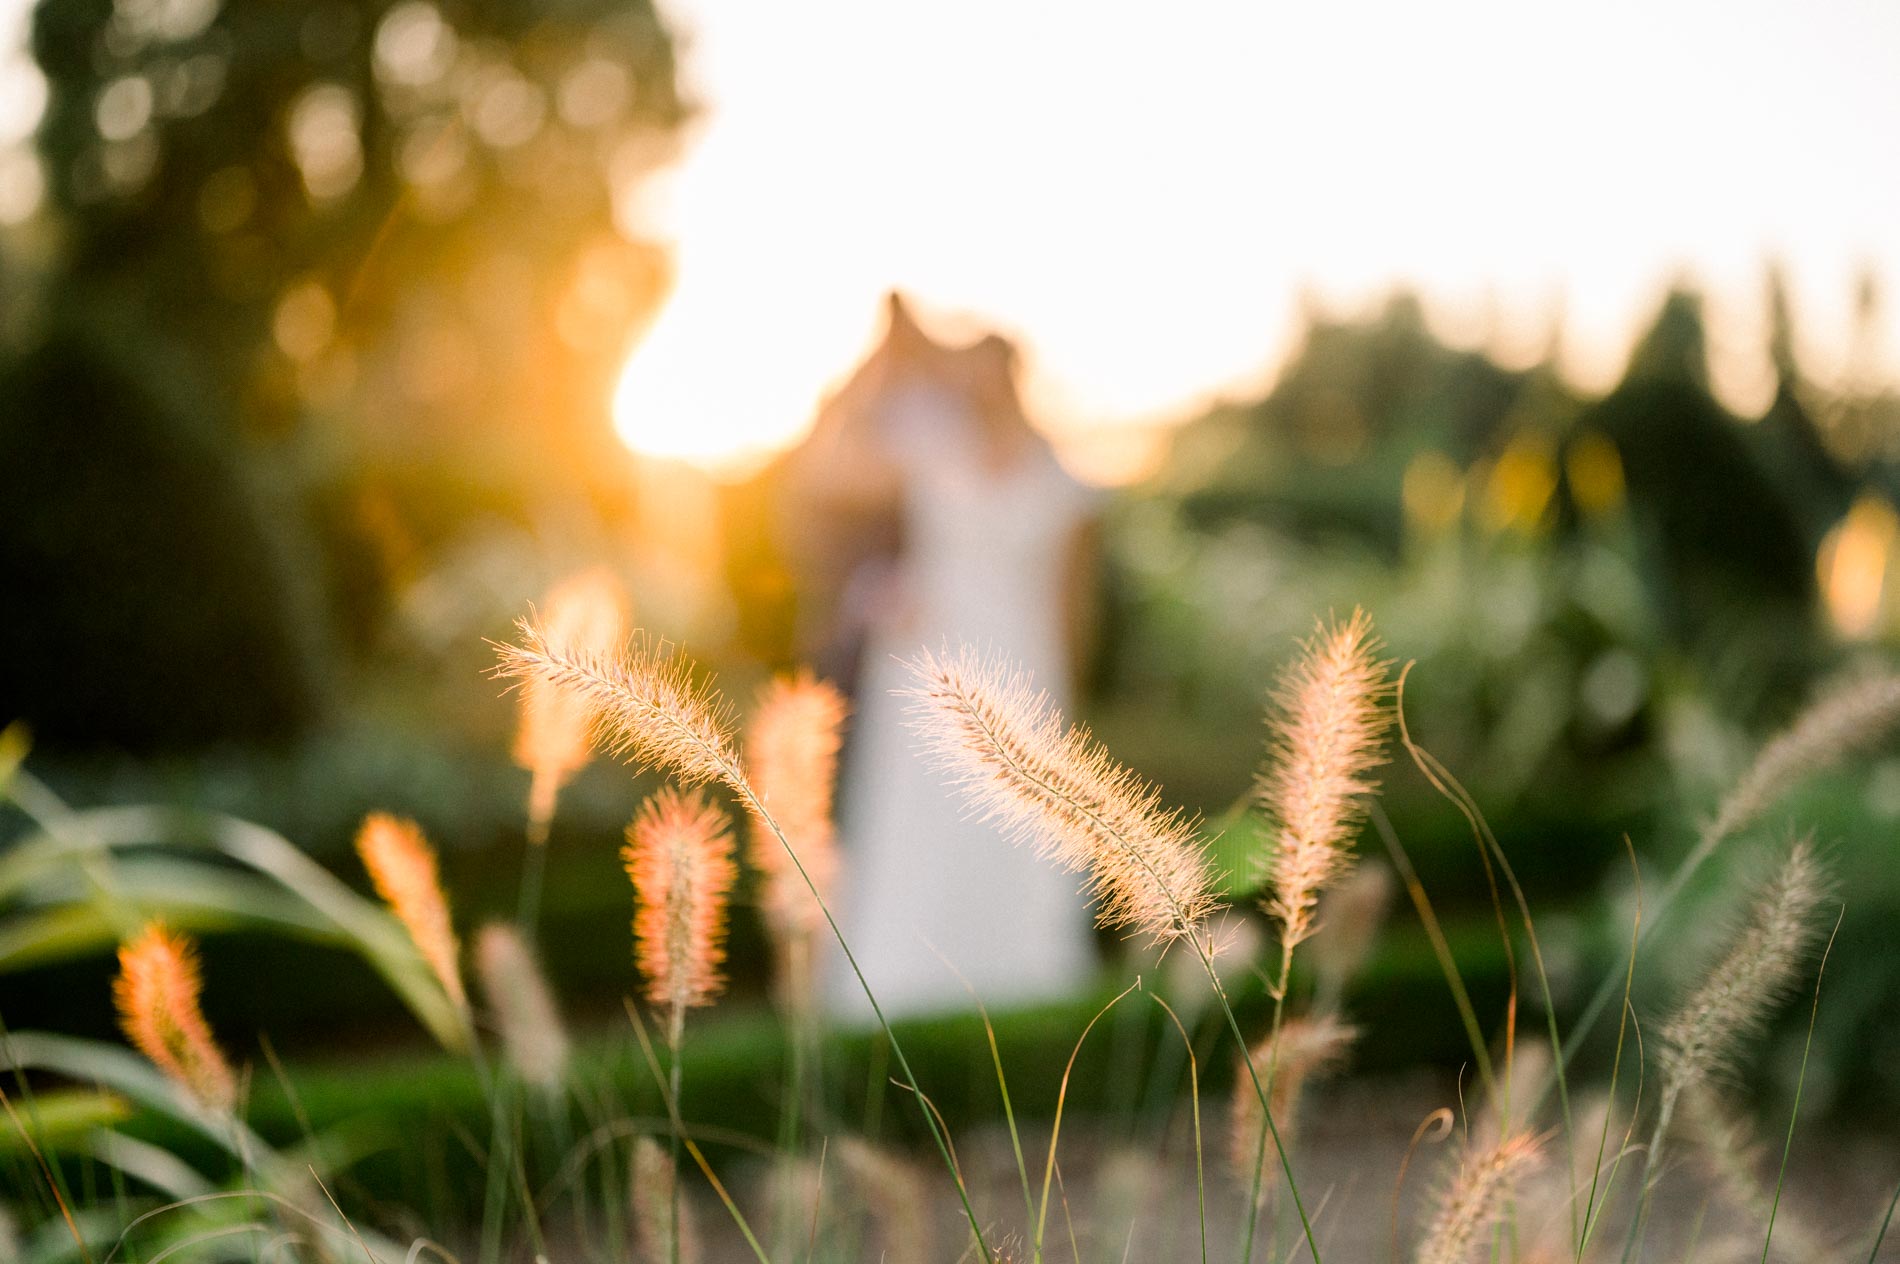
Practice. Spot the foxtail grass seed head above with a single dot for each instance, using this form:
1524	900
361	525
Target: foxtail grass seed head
1751	980
522	1006
156	993
584	613
1475	1198
1306	1050
1327	723
646	706
402	866
791	754
1005	747
679	855
653	1180
1847	716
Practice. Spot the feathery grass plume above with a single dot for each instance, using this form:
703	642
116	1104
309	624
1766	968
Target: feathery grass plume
646	707
402	866
156	993
653	1188
1474	1199
1734	1002
1306	1049
649	710
584	613
1006	749
1848	715
1757	973
522	1006
791	754
679	855
895	1195
1326	724
1346	925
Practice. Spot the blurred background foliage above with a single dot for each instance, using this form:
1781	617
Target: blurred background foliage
304	392
318	294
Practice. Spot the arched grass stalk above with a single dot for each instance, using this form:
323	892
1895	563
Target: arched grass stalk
1794	1112
1002	1085
1006	748
1055	1127
1194	1099
1490	849
648	710
1591	1208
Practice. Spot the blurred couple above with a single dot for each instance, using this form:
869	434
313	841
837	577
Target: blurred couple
928	512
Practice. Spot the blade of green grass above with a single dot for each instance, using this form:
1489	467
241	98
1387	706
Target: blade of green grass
1794	1113
1194	1096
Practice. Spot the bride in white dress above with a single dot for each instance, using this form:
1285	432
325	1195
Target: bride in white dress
993	553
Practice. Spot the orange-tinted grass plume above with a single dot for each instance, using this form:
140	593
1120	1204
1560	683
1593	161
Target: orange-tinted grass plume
402	866
585	613
679	855
791	754
1004	745
1327	721
156	993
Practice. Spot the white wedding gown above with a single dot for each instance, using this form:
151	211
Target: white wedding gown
929	894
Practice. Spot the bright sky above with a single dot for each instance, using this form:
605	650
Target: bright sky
1141	193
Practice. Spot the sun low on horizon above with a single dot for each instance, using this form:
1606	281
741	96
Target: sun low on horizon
1147	213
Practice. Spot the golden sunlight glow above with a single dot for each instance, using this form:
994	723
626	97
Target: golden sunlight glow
684	395
1852	565
1142	202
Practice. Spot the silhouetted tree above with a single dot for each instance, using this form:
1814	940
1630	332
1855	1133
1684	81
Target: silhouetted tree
363	269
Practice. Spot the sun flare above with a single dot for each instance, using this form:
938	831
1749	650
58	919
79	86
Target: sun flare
682	396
